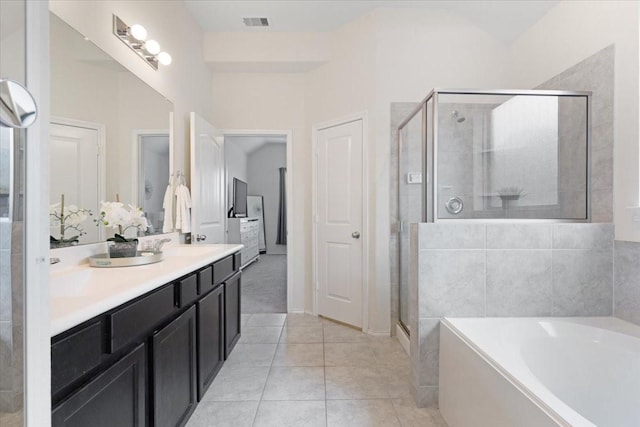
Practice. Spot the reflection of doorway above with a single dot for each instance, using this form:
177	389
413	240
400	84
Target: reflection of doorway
257	157
77	169
151	175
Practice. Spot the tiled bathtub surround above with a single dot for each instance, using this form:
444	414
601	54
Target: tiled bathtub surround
627	281
487	270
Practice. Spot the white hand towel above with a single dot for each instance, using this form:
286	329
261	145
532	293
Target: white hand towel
167	205
183	206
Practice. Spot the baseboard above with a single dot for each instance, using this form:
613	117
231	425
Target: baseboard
403	338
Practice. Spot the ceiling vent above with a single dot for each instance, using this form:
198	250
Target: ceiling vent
256	22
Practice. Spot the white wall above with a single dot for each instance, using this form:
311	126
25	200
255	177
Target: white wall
389	55
549	47
418	50
266	51
264	180
274	101
185	82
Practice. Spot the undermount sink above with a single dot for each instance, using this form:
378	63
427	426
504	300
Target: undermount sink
188	250
69	284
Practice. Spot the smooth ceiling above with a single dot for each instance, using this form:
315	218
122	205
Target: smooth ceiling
504	19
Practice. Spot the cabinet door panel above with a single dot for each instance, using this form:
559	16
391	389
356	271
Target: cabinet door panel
174	371
210	338
114	398
231	313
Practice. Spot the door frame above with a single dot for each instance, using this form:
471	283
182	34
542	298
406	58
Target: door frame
37	337
101	130
136	148
292	255
316	128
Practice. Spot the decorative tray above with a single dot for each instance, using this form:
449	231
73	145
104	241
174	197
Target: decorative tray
141	258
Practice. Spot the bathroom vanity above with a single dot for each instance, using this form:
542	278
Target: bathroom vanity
139	346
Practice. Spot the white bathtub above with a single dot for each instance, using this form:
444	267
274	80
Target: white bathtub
539	372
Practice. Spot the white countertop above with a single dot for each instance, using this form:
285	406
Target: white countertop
81	292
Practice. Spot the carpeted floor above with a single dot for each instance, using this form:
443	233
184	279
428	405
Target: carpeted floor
264	285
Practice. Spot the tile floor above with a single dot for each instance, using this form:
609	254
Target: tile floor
300	370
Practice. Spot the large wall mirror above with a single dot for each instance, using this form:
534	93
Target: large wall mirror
110	137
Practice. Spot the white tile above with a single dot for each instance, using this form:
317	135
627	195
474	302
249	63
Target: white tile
238	384
355	382
349	354
224	414
267	319
260	335
295	383
302	334
299	355
291	414
251	355
361	413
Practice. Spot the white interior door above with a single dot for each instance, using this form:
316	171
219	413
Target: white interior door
207	182
339	203
76	171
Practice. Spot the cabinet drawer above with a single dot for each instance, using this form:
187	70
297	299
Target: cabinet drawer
237	260
116	397
138	318
187	290
222	269
75	355
205	280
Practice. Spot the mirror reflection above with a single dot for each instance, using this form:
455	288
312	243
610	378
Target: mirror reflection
109	139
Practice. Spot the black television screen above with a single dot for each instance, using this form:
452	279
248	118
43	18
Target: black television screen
239	198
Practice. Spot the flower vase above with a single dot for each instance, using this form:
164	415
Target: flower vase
123	249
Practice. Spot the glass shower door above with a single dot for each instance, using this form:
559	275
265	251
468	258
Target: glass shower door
12	66
411	182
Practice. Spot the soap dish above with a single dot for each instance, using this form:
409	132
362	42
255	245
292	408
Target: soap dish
141	258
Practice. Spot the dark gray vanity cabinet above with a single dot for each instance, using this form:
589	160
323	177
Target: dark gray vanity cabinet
211	348
231	312
150	360
116	397
174	371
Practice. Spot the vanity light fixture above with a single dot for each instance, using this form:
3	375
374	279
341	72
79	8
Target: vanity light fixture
135	37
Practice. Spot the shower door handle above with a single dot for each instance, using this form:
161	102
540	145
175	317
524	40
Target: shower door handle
355	234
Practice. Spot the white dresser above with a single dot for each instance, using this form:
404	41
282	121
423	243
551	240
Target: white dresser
247	232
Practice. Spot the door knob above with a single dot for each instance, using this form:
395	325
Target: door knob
355	234
200	237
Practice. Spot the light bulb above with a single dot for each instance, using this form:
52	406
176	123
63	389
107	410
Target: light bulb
138	32
152	46
164	58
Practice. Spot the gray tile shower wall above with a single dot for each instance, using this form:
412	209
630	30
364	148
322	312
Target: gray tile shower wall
478	270
627	281
595	74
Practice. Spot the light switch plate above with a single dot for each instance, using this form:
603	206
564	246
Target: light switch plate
414	178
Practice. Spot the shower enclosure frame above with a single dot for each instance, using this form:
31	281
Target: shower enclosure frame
430	153
429	146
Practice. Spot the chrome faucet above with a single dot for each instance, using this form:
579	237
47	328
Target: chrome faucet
154	245
158	244
54	260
